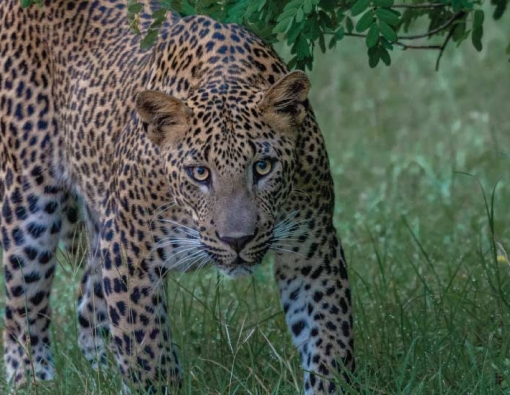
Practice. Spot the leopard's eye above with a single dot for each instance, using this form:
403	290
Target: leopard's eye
199	173
263	167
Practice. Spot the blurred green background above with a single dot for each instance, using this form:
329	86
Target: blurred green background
412	152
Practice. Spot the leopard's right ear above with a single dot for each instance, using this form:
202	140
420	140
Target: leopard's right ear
166	117
283	104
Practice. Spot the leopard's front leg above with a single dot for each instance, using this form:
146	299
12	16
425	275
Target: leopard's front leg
137	311
314	290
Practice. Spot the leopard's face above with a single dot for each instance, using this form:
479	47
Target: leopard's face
233	186
230	163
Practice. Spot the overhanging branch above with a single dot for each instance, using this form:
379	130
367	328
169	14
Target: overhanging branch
450	23
400	44
438	29
447	39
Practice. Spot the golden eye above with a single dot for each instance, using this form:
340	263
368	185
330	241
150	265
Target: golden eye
263	167
199	173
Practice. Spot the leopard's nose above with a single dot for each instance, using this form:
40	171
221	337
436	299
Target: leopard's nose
236	243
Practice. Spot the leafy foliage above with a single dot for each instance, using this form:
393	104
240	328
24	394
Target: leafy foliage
304	24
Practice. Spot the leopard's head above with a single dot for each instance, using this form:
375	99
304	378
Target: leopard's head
229	152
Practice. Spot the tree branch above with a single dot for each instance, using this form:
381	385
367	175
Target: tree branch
447	39
436	30
441	48
404	46
444	26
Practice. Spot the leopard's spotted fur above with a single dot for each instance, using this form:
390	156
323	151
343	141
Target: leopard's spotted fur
216	101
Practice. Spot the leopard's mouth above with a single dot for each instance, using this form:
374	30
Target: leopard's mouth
238	261
238	271
238	267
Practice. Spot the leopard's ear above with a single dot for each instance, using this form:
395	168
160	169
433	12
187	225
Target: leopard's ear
283	104
165	116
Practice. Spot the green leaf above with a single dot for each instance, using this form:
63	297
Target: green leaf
159	14
326	21
292	63
500	8
188	9
340	16
359	7
285	18
157	23
307	6
300	15
383	3
373	57
385	43
478	17
349	25
311	29
476	38
332	43
340	33
26	3
365	21
172	5
149	39
458	34
322	43
467	4
328	5
508	49
293	5
314	29
282	26
302	48
260	5
287	14
372	36
237	12
294	31
135	8
387	32
385	56
309	63
389	16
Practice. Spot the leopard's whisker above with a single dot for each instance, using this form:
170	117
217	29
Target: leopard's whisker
289	228
164	207
178	249
185	259
290	225
177	243
197	261
275	239
200	262
178	225
302	193
285	250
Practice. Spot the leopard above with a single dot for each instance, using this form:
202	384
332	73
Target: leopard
202	150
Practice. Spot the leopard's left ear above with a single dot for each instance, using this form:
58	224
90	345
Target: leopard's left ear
283	104
166	117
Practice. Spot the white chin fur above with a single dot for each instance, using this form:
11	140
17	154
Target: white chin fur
236	272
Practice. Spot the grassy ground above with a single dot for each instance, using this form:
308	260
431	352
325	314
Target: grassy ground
412	152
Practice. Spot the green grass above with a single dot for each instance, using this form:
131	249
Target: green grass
412	152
